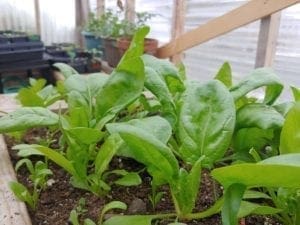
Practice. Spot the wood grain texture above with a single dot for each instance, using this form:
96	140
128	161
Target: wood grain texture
243	15
12	211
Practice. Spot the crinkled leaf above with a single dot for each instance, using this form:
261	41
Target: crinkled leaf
206	122
284	108
167	71
155	83
290	134
259	78
224	75
281	171
27	117
249	208
260	116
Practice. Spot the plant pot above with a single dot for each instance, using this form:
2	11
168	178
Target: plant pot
111	51
93	42
150	45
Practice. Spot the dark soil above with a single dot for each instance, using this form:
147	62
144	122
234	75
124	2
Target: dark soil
56	203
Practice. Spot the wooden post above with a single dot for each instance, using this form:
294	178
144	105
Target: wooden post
245	14
37	16
266	46
82	16
178	19
100	7
130	10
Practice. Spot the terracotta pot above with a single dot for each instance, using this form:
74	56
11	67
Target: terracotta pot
150	45
111	52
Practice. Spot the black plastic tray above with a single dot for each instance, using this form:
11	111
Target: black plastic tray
21	55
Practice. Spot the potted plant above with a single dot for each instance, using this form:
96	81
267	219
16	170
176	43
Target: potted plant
123	43
96	29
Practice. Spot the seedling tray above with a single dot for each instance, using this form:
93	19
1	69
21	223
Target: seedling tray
21	55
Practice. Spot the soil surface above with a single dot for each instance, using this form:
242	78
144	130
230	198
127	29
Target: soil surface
57	201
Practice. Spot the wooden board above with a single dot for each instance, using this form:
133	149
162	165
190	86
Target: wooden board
245	14
267	40
12	211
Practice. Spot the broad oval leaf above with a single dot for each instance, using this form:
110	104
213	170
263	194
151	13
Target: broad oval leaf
278	171
87	85
206	122
258	115
27	117
290	134
85	135
259	78
65	69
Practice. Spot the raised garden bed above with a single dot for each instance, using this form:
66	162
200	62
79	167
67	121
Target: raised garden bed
180	147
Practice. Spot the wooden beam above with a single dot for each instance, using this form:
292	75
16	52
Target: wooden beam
178	19
266	45
82	10
100	7
12	211
130	10
37	16
245	14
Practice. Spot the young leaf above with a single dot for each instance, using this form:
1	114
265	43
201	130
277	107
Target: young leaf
189	182
206	122
106	152
296	93
28	97
110	206
129	179
259	78
224	75
22	193
290	134
232	201
277	171
73	218
27	117
260	116
248	208
255	195
55	156
159	88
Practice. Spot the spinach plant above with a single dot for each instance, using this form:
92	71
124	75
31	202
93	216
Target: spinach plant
38	175
92	102
278	174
